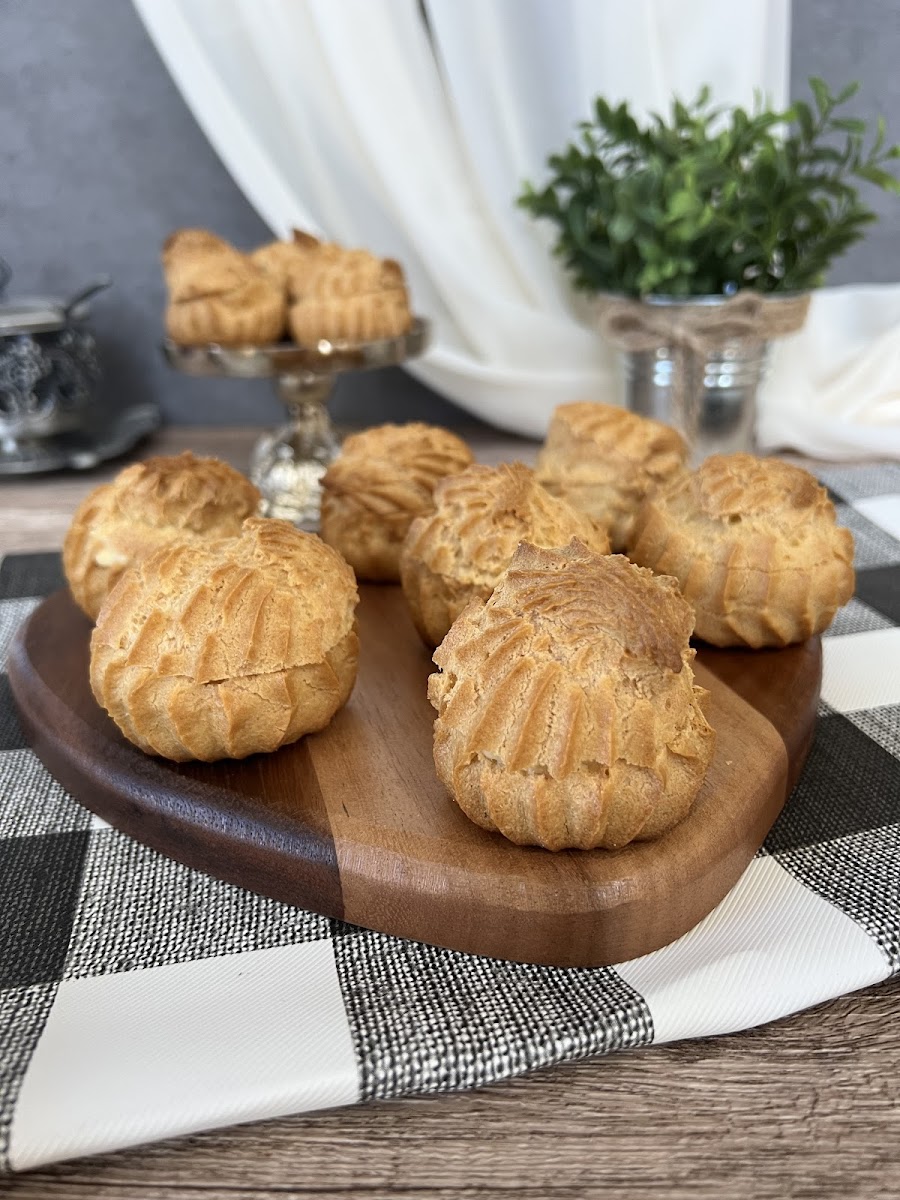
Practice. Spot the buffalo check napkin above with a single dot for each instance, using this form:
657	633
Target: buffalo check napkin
140	999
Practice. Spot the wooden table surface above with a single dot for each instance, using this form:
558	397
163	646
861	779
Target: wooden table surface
806	1107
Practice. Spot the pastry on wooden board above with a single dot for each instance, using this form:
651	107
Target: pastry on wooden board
356	297
382	480
148	505
754	546
604	460
225	648
218	295
458	552
567	715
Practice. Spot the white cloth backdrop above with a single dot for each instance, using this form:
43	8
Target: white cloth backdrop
355	119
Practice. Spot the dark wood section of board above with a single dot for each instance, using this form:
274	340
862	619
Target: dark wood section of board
244	822
353	822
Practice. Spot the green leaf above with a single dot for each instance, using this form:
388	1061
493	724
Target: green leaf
602	111
682	204
880	132
826	154
845	93
882	179
578	221
822	95
682	115
804	118
849	124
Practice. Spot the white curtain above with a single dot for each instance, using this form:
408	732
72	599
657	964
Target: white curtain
359	120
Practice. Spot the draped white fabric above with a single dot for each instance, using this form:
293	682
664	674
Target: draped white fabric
357	119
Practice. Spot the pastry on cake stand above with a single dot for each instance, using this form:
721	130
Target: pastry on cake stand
288	464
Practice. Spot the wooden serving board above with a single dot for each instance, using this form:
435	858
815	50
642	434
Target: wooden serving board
353	823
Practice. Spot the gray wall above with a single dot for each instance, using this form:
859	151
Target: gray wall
100	159
842	40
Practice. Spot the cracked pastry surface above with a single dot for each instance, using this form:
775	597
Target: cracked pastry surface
382	480
230	647
567	715
755	547
458	552
218	295
353	297
148	505
604	460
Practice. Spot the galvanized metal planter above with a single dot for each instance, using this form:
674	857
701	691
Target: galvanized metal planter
676	368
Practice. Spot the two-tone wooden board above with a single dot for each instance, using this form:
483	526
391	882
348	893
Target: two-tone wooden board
352	822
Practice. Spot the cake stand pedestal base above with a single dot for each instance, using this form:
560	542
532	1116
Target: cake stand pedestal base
287	465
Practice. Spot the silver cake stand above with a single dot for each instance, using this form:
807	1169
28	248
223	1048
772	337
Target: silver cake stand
288	464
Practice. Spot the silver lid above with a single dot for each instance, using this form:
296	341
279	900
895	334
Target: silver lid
32	316
44	316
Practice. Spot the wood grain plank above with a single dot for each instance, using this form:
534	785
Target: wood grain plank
796	1108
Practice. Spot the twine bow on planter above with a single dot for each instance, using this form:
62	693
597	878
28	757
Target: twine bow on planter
688	333
698	326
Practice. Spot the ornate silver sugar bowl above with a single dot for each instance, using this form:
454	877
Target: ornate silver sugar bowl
48	373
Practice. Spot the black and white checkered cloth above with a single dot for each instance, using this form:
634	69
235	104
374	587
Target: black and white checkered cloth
140	999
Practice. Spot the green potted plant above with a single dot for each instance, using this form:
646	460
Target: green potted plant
701	236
